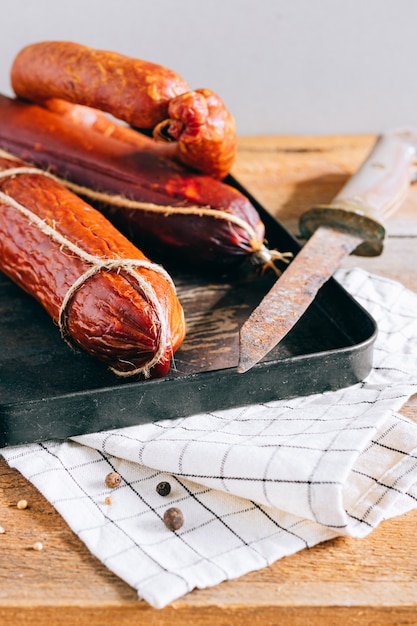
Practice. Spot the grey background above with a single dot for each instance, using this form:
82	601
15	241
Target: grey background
281	66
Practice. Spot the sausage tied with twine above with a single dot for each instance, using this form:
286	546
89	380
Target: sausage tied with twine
162	205
105	295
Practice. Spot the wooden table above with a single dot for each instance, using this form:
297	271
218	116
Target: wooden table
343	581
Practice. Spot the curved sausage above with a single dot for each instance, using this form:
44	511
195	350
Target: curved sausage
143	94
132	90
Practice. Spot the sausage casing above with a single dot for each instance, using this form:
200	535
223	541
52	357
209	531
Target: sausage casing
203	221
141	93
106	296
131	89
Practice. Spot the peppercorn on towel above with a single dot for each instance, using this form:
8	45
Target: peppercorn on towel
254	483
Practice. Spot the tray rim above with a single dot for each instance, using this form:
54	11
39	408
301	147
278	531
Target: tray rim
261	373
29	409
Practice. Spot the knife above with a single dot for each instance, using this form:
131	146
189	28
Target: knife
351	223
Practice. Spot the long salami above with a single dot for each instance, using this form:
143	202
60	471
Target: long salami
161	204
105	295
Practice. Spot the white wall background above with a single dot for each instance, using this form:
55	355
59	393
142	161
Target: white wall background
281	66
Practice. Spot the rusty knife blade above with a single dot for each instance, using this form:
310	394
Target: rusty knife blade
351	223
293	292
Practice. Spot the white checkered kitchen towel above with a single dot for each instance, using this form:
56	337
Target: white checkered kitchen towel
255	483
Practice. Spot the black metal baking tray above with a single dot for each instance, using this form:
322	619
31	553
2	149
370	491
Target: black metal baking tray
48	391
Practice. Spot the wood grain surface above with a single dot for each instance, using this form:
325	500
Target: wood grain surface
372	581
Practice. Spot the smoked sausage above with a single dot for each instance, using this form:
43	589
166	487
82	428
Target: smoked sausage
163	206
104	294
141	93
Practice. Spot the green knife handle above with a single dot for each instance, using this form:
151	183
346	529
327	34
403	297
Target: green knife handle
373	193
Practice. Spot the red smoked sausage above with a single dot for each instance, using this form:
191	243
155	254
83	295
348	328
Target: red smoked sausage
143	94
132	90
203	221
105	295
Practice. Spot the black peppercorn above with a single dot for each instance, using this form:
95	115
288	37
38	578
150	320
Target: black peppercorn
113	480
173	518
163	488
